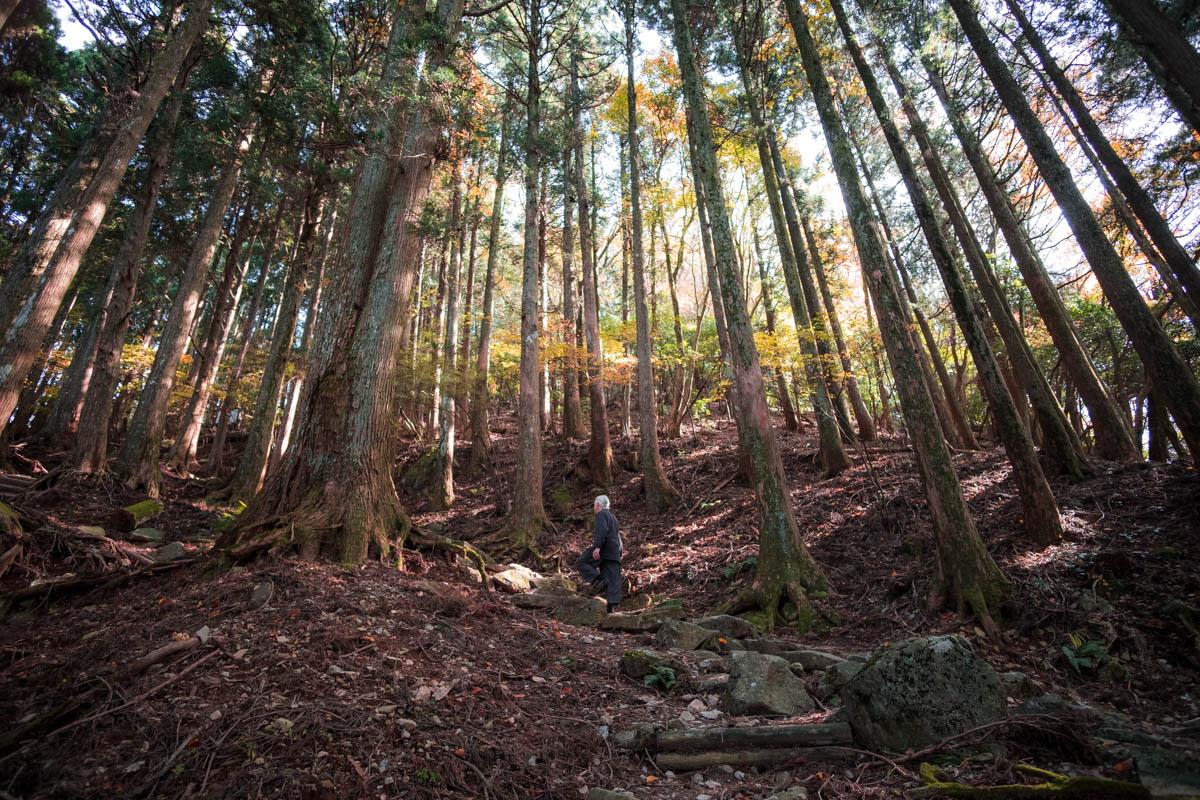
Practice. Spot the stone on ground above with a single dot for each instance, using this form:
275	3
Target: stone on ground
763	684
639	663
646	621
610	794
152	535
811	659
171	552
727	625
680	635
921	691
516	578
836	677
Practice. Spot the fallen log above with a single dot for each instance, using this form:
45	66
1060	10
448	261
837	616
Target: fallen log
759	736
776	756
131	516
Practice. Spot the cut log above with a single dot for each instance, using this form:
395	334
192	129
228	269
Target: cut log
759	736
127	519
684	762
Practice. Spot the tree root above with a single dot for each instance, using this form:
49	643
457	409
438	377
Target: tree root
516	540
1085	787
770	601
420	539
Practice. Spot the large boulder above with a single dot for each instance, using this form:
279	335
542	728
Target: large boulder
727	625
921	691
813	660
680	635
762	684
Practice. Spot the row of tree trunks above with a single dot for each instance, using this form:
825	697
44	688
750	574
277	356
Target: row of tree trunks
1041	517
966	576
27	328
1113	440
1168	371
138	462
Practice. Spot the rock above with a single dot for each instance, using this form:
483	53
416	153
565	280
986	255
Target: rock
151	535
171	552
697	706
261	595
705	661
1054	705
576	610
836	677
762	684
1017	685
679	635
609	794
516	578
1168	772
641	621
639	663
639	737
771	647
920	691
91	531
811	659
730	645
556	582
727	625
794	793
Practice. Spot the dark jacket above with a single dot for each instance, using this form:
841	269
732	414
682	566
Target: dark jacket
607	536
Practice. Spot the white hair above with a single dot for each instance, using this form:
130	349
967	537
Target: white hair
602	501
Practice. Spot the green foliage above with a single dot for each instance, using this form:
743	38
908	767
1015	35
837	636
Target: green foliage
428	777
1084	654
731	571
663	678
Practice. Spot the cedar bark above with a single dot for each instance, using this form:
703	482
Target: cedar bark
1113	439
1167	369
785	401
966	575
1041	517
527	514
29	326
660	492
784	565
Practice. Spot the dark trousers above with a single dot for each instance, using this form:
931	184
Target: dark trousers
607	571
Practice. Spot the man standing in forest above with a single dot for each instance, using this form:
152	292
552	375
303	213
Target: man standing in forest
601	566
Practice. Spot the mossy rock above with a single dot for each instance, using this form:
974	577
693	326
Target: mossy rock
562	501
10	521
639	663
758	619
419	474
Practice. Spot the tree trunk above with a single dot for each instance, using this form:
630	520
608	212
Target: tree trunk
785	400
812	315
480	435
784	564
862	417
947	404
660	492
1168	371
1111	429
333	492
527	514
600	448
443	484
966	575
627	386
462	402
1040	511
572	420
255	453
30	324
1167	52
138	463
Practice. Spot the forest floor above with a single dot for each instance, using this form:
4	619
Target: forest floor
290	679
